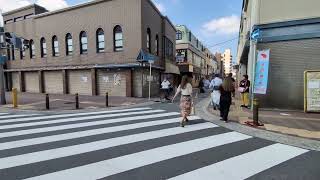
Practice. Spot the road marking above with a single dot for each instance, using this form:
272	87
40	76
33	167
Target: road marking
124	163
3	113
71	115
60	137
48	122
94	146
15	116
84	124
245	165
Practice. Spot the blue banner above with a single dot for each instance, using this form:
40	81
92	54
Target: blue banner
262	72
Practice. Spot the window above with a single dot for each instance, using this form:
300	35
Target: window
197	43
168	48
32	49
69	45
83	43
22	53
156	45
8	53
178	35
55	46
12	51
8	21
100	40
43	47
28	16
18	19
118	38
149	40
190	36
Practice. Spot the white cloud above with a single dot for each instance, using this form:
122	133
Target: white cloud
224	25
52	4
160	7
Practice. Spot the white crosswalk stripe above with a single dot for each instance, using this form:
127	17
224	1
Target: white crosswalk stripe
103	144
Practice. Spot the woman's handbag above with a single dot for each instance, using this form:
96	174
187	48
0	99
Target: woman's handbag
241	89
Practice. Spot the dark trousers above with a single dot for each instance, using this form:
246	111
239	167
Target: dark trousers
225	103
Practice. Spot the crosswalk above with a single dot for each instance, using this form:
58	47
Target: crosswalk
137	143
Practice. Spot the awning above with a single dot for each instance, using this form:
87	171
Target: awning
172	68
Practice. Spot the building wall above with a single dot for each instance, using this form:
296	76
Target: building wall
285	10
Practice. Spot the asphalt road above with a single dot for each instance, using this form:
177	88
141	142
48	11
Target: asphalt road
141	143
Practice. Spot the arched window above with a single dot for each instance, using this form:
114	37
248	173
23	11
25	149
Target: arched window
55	46
118	38
179	35
156	45
100	40
32	49
83	43
43	45
69	45
149	40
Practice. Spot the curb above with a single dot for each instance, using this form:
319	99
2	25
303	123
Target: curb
263	134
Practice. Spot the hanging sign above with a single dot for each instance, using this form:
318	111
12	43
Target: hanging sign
262	72
312	91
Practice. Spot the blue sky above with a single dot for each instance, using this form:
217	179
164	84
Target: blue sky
212	21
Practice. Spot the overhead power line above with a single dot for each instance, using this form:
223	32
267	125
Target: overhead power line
224	42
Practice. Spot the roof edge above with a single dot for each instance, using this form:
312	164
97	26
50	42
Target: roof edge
22	8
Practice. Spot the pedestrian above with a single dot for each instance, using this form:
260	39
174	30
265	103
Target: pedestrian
185	88
227	91
215	95
201	85
206	84
244	88
165	85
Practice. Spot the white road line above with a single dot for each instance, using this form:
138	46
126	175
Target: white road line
71	115
15	116
60	137
3	113
84	124
78	119
94	146
245	165
124	163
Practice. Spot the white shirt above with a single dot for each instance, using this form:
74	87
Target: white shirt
165	84
215	82
186	91
206	83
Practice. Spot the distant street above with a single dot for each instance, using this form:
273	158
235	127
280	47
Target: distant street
141	143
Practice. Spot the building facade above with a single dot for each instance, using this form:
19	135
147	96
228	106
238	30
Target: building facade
192	56
227	61
90	48
291	30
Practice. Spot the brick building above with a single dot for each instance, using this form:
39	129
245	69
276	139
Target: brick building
90	48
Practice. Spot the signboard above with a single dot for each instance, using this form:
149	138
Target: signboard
3	59
262	72
312	91
181	55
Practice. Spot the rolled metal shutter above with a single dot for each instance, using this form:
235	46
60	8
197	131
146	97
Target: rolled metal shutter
31	82
80	82
53	82
15	80
112	82
288	61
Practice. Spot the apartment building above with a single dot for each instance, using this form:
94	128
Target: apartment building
90	48
227	61
291	30
192	56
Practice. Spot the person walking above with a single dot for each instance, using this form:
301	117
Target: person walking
215	95
206	84
244	88
185	88
227	91
165	85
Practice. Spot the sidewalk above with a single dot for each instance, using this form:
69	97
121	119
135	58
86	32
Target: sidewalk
36	101
287	122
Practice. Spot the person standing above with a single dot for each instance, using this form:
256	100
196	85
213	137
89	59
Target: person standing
227	91
165	85
215	95
185	88
244	88
206	84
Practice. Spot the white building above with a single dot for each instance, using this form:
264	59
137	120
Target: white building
227	61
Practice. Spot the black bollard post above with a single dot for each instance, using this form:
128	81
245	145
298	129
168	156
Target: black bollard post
47	102
77	101
255	112
107	99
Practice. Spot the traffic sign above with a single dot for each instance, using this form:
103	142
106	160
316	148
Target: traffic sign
256	34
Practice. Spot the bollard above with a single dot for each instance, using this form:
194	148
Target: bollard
77	101
107	99
14	97
47	102
255	112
